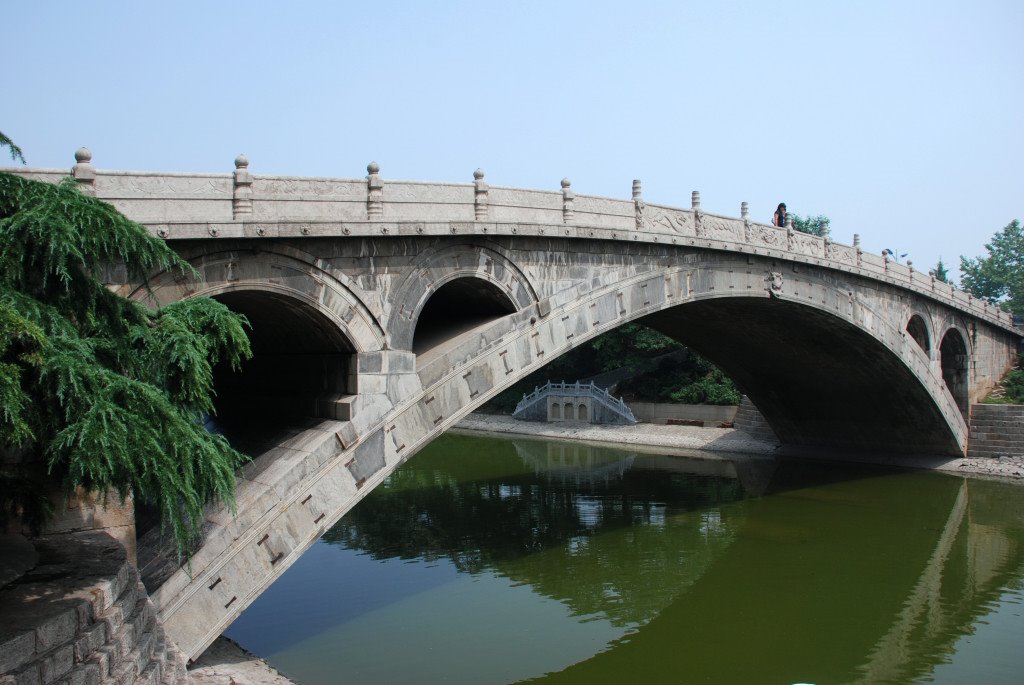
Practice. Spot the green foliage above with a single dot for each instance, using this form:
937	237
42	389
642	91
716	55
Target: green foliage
629	346
814	225
15	151
999	277
1014	384
98	391
654	368
708	386
940	271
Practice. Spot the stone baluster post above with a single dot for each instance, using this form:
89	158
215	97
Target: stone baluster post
241	201
695	200
568	202
856	247
84	172
480	198
374	193
745	211
638	204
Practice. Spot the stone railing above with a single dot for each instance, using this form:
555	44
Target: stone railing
576	389
180	206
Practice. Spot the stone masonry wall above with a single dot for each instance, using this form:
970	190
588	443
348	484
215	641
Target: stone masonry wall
750	420
81	616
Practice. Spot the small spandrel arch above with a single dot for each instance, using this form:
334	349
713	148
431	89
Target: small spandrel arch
918	330
458	306
955	367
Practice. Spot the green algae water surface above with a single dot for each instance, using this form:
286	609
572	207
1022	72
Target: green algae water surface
495	560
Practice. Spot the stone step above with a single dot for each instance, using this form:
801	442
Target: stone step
984	451
995	442
176	672
993	452
976	440
1011	425
997	435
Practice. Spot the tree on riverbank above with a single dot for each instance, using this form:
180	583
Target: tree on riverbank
812	225
999	276
97	391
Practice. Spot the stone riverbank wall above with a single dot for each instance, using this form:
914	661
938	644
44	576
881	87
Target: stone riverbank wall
660	412
80	615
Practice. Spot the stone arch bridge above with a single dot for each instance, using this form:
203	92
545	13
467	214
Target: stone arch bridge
384	311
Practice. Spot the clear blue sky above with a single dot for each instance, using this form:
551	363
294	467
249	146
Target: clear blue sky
901	121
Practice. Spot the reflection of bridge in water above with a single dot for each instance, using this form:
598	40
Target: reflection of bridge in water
917	600
863	575
580	463
573	462
932	618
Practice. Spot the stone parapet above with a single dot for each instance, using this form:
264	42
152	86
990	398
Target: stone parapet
184	206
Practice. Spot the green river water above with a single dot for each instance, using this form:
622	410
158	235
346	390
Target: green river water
498	560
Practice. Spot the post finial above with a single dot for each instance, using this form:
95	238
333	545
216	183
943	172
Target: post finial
84	172
480	198
568	202
241	199
374	192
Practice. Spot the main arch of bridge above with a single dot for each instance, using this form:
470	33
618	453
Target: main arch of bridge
825	369
824	365
573	266
827	359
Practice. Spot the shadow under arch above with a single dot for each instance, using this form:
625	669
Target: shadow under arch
300	365
818	379
918	330
955	367
459	306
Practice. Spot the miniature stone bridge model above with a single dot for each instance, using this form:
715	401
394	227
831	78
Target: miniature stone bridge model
382	312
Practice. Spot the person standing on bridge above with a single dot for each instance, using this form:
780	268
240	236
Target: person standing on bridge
779	217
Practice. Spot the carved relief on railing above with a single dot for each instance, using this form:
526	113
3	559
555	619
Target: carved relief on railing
842	253
173	210
296	188
807	244
144	187
43	176
769	236
431	193
660	219
718	228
